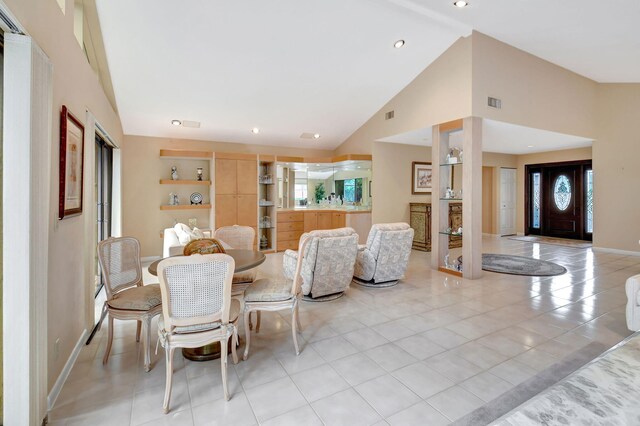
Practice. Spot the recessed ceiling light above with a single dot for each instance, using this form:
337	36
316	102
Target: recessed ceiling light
398	44
529	146
255	130
316	136
176	122
460	3
317	164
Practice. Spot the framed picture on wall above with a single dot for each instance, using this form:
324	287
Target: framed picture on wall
71	165
421	178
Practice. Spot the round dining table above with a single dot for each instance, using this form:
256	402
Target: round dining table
244	260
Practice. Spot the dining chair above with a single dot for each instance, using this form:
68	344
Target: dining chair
127	297
267	294
197	309
239	237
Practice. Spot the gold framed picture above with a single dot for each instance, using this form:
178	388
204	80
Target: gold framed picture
421	177
71	165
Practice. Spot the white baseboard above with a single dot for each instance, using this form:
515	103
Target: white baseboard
484	234
616	251
62	378
150	258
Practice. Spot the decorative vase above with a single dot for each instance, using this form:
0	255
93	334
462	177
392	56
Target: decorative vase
199	174
174	173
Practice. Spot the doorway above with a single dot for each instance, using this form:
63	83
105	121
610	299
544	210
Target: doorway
507	201
559	200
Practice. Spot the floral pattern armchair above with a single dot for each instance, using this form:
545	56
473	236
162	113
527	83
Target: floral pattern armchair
385	256
328	264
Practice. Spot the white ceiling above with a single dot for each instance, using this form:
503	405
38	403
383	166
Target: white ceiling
290	67
500	137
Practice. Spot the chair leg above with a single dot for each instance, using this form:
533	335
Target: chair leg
294	321
109	341
138	328
250	323
223	365
258	316
168	350
234	344
146	344
298	317
247	335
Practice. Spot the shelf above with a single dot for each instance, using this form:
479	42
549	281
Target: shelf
266	227
266	205
186	207
184	182
450	271
450	234
186	155
266	183
450	199
450	164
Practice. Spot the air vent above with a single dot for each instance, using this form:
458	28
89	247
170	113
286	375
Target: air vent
193	124
494	102
306	136
389	115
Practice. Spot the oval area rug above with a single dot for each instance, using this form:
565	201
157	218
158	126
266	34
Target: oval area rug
520	265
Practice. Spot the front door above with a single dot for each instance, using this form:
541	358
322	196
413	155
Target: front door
563	195
559	199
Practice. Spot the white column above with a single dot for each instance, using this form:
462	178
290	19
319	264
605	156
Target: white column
26	209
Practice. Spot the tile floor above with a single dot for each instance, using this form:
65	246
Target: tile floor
427	351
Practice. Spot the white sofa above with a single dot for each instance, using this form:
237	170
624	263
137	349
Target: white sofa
172	245
633	303
327	267
384	259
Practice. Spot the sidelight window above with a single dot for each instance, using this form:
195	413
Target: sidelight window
536	200
589	191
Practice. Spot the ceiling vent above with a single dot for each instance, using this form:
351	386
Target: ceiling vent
192	124
306	135
389	115
494	102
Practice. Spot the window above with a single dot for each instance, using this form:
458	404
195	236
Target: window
536	200
589	193
562	192
301	191
349	189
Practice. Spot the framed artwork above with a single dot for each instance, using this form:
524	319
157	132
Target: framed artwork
421	177
71	165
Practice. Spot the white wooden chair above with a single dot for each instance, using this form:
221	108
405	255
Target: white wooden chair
275	295
127	297
239	237
197	309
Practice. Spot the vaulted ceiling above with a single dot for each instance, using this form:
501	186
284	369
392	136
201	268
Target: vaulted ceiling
290	67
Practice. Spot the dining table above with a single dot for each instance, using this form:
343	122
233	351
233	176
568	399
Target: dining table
244	260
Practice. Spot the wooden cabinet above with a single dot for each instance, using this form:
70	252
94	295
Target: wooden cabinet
310	221
420	221
325	220
338	220
290	228
236	188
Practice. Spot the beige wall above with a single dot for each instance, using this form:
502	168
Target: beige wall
534	93
440	93
540	158
487	200
76	86
616	168
142	195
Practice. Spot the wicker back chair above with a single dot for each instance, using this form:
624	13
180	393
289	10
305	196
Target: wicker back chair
197	309
127	297
275	295
239	237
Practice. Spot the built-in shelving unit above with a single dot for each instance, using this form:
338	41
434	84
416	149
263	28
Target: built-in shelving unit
187	163
267	196
442	233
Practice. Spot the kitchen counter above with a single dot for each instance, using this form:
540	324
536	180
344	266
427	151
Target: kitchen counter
341	209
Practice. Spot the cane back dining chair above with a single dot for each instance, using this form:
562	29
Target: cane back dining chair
197	309
127	297
267	294
239	237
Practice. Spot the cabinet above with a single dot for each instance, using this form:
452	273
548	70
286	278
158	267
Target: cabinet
236	188
338	220
325	220
290	228
420	221
310	221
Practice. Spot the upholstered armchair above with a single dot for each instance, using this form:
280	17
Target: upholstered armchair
327	266
383	260
633	303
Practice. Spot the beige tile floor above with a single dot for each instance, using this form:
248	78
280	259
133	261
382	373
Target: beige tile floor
427	351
